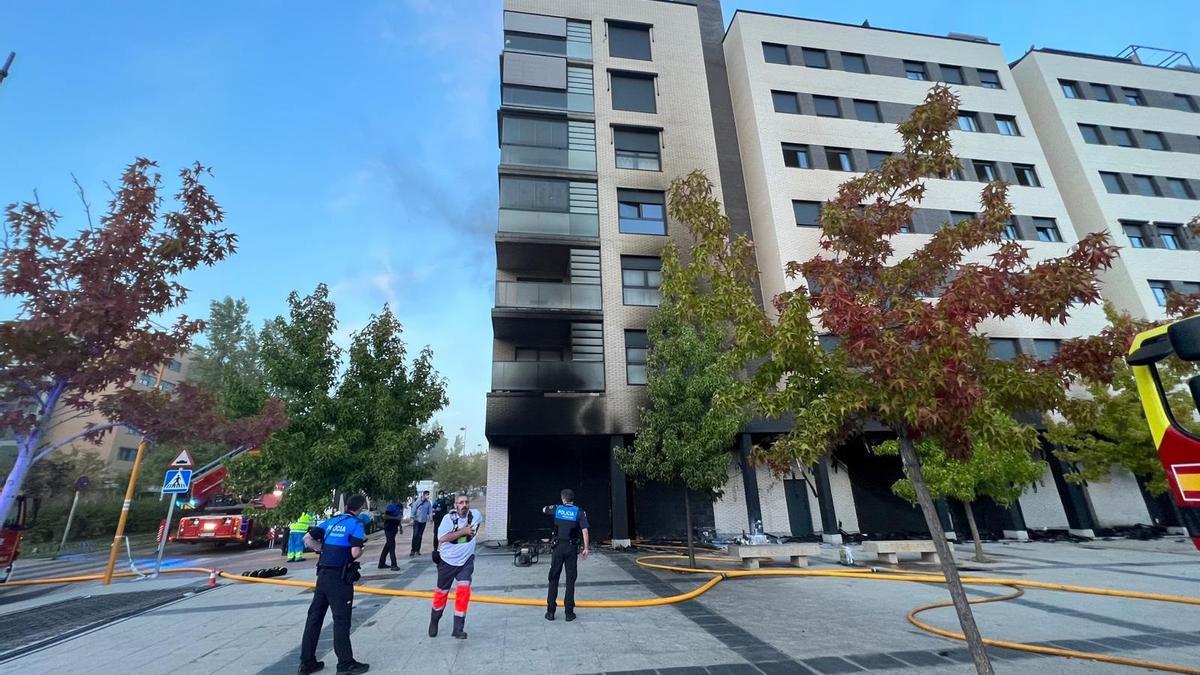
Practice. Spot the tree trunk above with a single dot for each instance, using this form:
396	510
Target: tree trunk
979	556
27	449
687	507
966	619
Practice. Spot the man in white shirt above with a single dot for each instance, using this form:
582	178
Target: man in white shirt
455	557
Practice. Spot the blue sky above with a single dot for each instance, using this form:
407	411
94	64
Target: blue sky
357	147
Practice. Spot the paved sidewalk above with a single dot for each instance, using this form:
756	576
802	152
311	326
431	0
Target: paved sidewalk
785	625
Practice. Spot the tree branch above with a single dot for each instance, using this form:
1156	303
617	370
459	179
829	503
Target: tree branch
56	446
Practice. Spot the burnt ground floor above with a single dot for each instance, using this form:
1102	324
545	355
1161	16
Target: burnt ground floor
846	493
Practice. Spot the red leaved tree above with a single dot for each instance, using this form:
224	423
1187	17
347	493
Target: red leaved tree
86	327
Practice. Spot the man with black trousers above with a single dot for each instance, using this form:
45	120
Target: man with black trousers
441	506
570	528
339	540
420	516
391	526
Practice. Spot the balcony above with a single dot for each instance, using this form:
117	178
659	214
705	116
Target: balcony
549	223
547	295
548	376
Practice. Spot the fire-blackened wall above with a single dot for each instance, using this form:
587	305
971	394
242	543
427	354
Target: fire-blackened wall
540	467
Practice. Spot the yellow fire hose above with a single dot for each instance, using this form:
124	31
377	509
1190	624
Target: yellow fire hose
653	562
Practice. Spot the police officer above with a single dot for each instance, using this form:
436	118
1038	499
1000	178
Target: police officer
441	506
570	528
339	541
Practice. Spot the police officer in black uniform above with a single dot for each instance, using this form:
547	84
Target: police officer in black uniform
570	529
339	541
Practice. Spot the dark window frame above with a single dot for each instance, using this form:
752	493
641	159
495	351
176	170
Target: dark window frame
616	76
635	154
643	265
774	48
1117	180
640	342
993	83
850	57
1027	175
818	100
1009	120
945	68
991	168
633	198
1014	343
126	454
972	118
1069	89
820	58
1047	230
630	26
873	106
1171	236
1120	133
1138	239
911	68
778	95
1133	93
1160	141
847	153
1102	92
1095	129
1157	285
1188	193
1142	181
806	204
800	151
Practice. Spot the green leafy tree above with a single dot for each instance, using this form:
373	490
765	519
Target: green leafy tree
458	470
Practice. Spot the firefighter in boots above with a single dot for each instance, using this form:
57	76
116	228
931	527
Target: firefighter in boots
570	529
296	531
339	541
455	558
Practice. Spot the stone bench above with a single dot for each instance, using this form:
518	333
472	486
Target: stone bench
796	553
888	551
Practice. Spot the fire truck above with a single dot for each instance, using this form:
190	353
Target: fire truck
214	516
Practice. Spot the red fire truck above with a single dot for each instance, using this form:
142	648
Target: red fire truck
214	516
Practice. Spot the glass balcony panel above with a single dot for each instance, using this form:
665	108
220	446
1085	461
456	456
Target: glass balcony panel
551	223
547	295
581	376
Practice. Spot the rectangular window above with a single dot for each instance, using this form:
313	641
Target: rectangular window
989	79
126	454
534	141
867	111
1187	103
1160	289
637	148
854	63
641	278
985	172
1101	92
1069	89
1026	175
534	97
952	74
641	212
1155	140
774	53
1011	233
1004	349
968	121
839	159
808	214
1007	125
522	193
637	346
827	106
1133	96
529	42
1135	233
146	380
633	92
1091	134
828	343
786	102
915	70
1047	229
629	40
816	58
957	217
1123	137
796	156
166	386
875	159
1145	186
174	366
956	173
1169	235
1046	349
1113	183
1179	189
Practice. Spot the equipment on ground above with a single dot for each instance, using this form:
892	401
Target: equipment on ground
526	554
1178	447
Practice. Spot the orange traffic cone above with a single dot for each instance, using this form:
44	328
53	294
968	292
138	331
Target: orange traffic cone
212	578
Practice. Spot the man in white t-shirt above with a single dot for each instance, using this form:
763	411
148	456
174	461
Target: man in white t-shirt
455	557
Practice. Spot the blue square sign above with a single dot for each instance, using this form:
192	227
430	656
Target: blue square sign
177	481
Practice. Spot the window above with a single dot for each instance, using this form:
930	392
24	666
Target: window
1047	229
827	106
985	172
1169	235
633	92
1155	140
989	79
915	70
534	97
829	343
1113	183
1179	189
1133	96
534	141
808	214
1026	175
629	40
1011	233
839	159
1007	125
529	42
641	212
1004	349
1069	89
957	217
174	366
785	102
1187	287
776	54
867	111
875	159
1100	92
1046	349
956	173
1144	185
968	121
522	193
146	380
166	386
641	278
1091	134
126	454
816	58
1160	289
1123	138
854	63
1187	103
637	148
796	156
1135	234
952	74
637	345
538	354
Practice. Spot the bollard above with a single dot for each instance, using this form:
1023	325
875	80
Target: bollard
212	578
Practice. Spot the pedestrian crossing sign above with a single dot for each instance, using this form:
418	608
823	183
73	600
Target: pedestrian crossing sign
177	481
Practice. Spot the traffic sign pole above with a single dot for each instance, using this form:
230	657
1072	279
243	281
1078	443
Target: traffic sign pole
67	529
162	545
